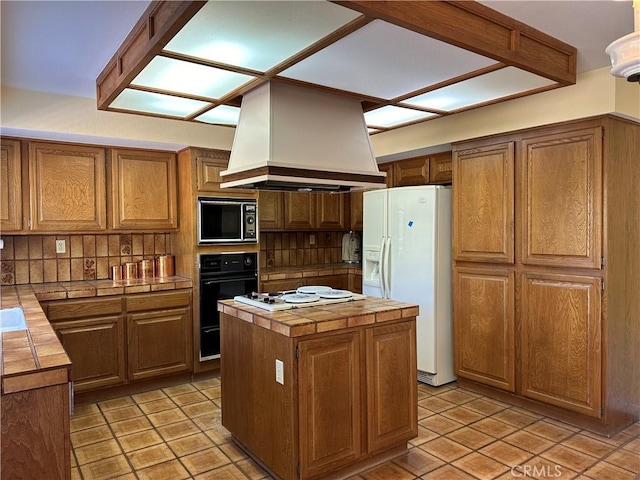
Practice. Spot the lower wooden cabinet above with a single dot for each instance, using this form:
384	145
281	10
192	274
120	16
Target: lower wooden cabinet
123	338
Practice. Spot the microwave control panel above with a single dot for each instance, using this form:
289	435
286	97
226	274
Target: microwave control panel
250	221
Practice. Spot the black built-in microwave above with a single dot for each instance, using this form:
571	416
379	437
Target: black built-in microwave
227	220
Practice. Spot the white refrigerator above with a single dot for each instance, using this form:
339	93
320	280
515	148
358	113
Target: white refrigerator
406	256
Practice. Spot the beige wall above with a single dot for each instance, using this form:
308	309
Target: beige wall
77	119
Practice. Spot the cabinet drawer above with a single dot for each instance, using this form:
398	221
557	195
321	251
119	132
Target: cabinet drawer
157	301
70	309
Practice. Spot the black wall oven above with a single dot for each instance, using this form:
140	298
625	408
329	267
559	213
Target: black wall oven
222	276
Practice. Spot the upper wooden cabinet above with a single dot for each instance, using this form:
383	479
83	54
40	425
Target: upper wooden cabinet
331	212
483	203
356	209
562	186
209	164
270	210
299	211
10	186
440	168
413	171
67	187
387	167
143	190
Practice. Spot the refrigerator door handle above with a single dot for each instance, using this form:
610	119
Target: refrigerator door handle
382	269
386	280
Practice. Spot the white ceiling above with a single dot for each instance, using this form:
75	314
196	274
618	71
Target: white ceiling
62	46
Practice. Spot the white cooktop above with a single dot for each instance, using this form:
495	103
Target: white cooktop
290	300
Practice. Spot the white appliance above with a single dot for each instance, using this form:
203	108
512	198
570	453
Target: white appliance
298	299
407	257
351	248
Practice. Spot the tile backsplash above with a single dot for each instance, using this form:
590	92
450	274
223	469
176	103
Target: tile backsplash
33	258
290	249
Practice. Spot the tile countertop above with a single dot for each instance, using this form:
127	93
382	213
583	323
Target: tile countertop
34	357
302	271
298	322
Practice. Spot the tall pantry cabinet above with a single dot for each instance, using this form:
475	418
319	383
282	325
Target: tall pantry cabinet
546	248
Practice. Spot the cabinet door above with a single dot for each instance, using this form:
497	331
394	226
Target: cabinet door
330	211
270	210
562	199
96	349
208	170
483	319
159	343
299	211
388	169
413	171
10	186
329	386
560	338
483	204
143	190
440	168
392	411
356	211
67	187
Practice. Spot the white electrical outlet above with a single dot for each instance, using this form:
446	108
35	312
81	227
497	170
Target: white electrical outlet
312	239
279	372
61	246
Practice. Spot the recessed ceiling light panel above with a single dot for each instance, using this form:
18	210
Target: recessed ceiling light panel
189	78
222	114
391	116
257	35
156	103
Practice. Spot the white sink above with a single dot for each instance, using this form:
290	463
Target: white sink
12	319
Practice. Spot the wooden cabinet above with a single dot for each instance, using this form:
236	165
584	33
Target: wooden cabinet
331	211
119	339
344	397
339	282
67	187
329	375
270	210
143	188
159	334
413	171
299	211
209	164
356	209
485	326
92	333
574	261
10	186
483	203
440	168
388	168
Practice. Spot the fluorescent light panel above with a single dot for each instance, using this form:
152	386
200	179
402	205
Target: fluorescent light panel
222	114
139	101
390	116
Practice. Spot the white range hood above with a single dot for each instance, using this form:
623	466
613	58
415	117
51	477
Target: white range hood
298	138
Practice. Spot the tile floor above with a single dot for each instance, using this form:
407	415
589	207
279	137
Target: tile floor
175	433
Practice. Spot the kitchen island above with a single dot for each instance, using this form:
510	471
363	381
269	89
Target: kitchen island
320	392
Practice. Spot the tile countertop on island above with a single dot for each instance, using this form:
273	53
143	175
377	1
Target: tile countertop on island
34	357
298	322
304	271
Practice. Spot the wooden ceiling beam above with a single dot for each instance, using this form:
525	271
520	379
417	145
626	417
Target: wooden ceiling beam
479	29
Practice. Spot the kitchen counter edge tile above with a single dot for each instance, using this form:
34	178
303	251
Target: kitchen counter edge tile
299	271
35	358
298	322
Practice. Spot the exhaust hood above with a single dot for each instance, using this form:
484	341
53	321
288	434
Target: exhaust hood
299	138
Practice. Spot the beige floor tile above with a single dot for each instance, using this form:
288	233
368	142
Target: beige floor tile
424	435
446	449
146	457
470	438
462	415
90	435
211	393
171	470
97	451
149	396
493	427
607	471
514	418
86	409
457	396
116	403
219	435
439	424
528	441
625	459
538	467
179	389
436	404
87	421
207	383
120	414
484	406
633	429
480	466
139	440
228	472
177	430
75	474
233	452
387	471
548	430
569	457
166	417
505	453
252	470
205	460
418	462
199	409
188	398
448	472
633	445
209	421
155	406
190	444
133	425
107	469
588	445
618	440
424	412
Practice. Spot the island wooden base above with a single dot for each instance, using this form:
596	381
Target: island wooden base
345	399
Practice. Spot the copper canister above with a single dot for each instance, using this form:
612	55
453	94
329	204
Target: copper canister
116	272
130	270
165	266
146	268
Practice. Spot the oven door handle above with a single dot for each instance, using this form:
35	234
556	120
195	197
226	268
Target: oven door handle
226	279
210	329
